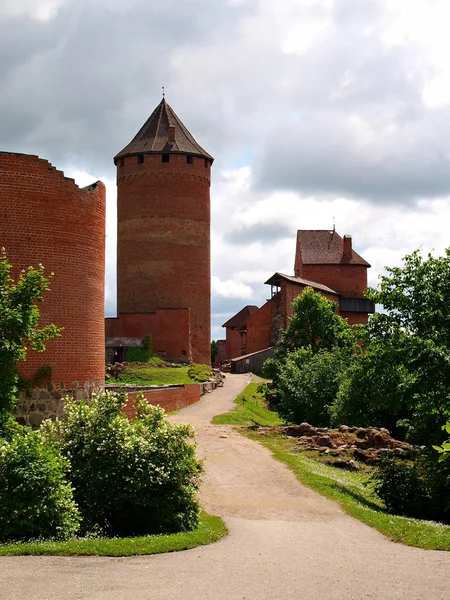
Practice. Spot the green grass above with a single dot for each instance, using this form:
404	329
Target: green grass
355	494
140	374
250	410
210	530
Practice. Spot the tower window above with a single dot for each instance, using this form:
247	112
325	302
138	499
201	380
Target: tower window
165	157
121	162
189	160
206	162
140	159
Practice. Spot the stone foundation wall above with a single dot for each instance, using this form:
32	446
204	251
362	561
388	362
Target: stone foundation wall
48	402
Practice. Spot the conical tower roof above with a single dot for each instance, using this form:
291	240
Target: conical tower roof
162	133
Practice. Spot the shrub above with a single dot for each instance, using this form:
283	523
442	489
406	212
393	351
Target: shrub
36	500
371	394
137	355
418	488
307	384
129	477
199	372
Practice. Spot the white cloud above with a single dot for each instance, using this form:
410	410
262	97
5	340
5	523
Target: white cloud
230	288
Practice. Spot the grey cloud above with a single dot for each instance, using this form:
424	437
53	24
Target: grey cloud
79	86
324	155
265	233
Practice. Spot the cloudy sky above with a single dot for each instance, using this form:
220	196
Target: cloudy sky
315	111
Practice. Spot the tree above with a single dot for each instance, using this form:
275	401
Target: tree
310	360
19	318
407	346
214	351
315	324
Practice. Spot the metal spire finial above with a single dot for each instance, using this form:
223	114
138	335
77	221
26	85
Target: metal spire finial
164	93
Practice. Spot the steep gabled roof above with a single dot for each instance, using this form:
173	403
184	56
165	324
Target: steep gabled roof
322	247
277	277
153	137
239	318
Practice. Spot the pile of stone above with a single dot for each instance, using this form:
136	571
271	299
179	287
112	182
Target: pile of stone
347	446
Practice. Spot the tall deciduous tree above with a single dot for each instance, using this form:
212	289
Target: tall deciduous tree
19	325
408	344
315	324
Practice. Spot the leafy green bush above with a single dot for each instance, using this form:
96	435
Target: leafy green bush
371	394
419	488
129	477
138	355
36	500
199	372
307	384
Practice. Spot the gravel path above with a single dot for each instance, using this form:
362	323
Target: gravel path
285	541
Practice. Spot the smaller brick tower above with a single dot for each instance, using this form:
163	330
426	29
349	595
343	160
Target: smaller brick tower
163	239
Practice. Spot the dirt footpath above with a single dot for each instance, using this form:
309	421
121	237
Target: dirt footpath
285	541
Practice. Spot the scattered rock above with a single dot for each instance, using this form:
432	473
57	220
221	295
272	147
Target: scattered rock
325	440
344	428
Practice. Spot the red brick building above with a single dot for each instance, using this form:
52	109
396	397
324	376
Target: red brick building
236	340
324	261
163	239
46	218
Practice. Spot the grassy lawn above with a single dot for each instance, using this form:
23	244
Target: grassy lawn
250	410
355	494
210	530
141	374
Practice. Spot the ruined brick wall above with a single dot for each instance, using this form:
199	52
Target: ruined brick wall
46	218
348	280
163	240
169	328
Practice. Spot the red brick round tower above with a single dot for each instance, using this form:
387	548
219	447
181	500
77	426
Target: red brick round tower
46	218
163	240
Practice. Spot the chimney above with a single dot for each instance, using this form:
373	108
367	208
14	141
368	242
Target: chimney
171	134
348	246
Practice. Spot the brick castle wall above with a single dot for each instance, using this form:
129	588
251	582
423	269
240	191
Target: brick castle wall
163	240
169	328
48	219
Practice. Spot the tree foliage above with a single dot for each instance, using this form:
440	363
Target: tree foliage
307	385
19	325
314	324
407	351
310	360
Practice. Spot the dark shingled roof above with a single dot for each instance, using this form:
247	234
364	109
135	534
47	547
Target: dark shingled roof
239	318
322	247
274	280
153	137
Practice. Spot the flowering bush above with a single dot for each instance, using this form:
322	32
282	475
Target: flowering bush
129	477
35	499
